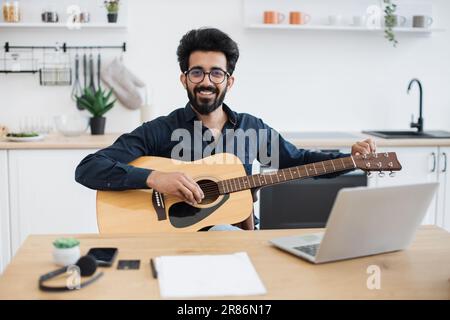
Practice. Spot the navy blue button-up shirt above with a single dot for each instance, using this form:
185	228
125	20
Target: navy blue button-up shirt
167	136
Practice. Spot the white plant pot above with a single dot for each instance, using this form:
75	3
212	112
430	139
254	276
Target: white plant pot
66	256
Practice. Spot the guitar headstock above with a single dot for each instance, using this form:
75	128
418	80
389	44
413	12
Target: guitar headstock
386	161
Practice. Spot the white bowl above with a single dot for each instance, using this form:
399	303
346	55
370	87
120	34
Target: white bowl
72	125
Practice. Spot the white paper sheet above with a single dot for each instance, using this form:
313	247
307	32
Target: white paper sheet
207	276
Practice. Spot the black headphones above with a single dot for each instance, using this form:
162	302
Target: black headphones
87	266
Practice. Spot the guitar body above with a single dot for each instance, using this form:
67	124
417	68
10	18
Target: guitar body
144	210
228	199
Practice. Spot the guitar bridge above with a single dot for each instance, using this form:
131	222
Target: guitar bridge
158	204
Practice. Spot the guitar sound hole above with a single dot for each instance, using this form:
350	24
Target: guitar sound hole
210	189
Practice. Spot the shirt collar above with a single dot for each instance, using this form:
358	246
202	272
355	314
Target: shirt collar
191	115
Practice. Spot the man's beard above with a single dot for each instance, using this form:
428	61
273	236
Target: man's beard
204	105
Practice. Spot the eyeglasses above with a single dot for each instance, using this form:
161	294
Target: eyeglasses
216	75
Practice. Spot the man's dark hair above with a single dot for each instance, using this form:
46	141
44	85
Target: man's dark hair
207	39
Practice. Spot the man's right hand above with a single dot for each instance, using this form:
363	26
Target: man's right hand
177	184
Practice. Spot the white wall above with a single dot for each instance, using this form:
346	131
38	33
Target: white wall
295	80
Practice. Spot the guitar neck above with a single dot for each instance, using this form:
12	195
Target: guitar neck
288	174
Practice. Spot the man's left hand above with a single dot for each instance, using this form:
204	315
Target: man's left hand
364	147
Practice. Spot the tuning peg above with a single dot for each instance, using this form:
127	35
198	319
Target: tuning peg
392	174
381	174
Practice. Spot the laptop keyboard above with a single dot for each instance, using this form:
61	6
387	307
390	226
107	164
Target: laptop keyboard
309	249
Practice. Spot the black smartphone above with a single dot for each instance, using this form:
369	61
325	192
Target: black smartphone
104	256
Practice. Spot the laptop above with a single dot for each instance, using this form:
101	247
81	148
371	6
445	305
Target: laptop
365	221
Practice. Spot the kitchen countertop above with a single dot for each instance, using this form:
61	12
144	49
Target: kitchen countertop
58	141
300	139
320	139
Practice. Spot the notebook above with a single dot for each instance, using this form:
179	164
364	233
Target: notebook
191	276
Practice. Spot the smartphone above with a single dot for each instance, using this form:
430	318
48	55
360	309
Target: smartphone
105	256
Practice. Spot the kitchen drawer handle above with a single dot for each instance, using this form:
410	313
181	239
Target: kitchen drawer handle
433	154
444	154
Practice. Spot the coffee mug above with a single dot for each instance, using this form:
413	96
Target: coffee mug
49	16
359	21
334	20
297	17
82	17
398	21
422	21
273	17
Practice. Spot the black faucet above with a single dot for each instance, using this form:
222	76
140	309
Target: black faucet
419	123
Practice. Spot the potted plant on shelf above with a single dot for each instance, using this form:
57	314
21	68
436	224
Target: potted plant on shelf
97	102
112	6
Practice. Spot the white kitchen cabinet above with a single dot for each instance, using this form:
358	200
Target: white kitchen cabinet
419	164
5	243
443	210
44	196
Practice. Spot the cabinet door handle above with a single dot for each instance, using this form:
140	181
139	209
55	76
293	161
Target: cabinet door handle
444	154
433	154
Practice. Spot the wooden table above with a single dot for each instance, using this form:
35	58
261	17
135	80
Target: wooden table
420	272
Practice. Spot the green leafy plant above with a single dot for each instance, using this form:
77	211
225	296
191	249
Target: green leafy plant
112	6
389	21
96	101
65	243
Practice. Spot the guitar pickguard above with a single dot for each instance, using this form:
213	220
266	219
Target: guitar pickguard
182	215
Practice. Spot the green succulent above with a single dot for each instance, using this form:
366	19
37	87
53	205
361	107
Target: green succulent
65	243
96	101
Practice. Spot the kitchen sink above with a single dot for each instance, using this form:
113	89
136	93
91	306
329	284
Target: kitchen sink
408	134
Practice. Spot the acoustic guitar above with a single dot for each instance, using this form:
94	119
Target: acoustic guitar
227	188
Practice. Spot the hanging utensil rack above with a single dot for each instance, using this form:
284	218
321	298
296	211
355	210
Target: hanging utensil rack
64	48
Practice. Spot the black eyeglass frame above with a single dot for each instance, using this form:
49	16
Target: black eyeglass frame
227	74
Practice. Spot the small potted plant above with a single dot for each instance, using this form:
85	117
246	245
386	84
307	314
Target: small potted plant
112	6
97	102
66	251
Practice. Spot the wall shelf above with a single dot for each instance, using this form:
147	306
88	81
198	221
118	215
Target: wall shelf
346	10
31	10
340	28
21	25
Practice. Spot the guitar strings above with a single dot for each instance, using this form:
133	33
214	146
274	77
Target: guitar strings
211	188
284	174
213	184
276	173
327	164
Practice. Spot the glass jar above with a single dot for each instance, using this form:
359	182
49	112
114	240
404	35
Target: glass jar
5	9
15	12
11	11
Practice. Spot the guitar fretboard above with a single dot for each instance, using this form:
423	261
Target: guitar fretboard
283	175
